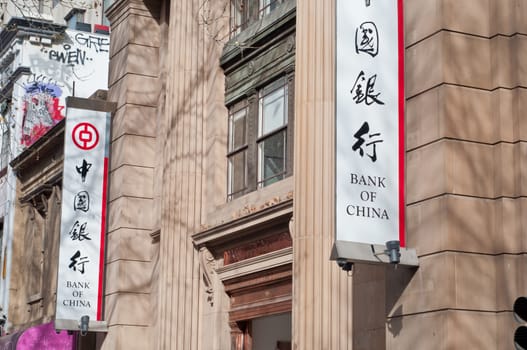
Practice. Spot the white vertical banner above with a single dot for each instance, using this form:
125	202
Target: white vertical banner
83	226
369	174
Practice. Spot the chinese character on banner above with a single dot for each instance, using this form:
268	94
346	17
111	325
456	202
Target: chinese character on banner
363	131
83	169
367	39
364	90
78	231
78	262
82	201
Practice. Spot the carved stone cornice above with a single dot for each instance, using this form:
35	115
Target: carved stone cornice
260	293
256	264
20	27
282	19
266	63
278	214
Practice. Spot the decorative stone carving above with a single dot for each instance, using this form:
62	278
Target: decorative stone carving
290	43
256	248
208	265
250	68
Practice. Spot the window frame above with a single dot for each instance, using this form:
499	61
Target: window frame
5	134
253	166
262	7
249	11
74	16
279	84
233	151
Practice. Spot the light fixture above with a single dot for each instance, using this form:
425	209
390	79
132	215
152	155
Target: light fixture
84	325
393	250
345	264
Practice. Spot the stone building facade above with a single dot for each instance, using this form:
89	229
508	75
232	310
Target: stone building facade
205	253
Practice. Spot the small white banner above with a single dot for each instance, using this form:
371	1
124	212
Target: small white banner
83	226
369	121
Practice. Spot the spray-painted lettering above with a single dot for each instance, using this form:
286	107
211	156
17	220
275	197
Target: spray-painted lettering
100	44
70	56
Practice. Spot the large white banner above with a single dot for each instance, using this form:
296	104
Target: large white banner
82	236
369	121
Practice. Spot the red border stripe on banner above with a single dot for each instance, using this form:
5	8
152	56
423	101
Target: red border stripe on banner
402	152
103	235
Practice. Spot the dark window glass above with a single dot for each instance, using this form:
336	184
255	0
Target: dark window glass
238	174
272	152
237	147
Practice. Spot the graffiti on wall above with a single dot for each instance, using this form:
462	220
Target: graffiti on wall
77	66
79	52
41	108
69	55
97	43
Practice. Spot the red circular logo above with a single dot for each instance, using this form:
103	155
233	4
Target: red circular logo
85	136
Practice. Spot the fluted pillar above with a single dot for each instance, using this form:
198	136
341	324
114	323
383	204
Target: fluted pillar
322	299
194	83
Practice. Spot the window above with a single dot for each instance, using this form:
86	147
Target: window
40	7
4	149
73	17
266	6
3	250
260	139
259	90
272	127
5	112
238	16
238	150
105	6
245	12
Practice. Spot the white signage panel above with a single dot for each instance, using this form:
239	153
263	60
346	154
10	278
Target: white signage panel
369	121
83	226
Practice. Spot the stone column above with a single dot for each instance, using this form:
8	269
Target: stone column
194	85
322	299
134	85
